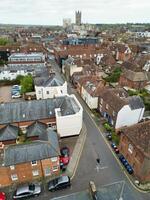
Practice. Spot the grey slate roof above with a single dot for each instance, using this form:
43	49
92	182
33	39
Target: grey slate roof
135	102
52	81
34	110
8	132
36	129
36	150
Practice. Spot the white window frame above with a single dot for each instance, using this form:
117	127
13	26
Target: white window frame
14	177
54	159
33	162
55	168
35	172
107	106
12	167
130	148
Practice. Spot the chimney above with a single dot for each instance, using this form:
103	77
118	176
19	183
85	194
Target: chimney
92	190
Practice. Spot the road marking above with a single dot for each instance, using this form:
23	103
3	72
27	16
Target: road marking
100	131
98	168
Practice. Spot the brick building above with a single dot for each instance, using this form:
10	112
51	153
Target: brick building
24	162
135	146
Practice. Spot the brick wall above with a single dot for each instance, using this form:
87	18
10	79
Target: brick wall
137	159
26	172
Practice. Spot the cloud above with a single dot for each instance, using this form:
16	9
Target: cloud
53	11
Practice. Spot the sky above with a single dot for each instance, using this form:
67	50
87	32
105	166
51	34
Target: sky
52	12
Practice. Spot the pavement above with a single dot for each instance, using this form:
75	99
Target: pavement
72	166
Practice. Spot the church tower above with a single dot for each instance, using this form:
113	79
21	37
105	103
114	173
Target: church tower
78	18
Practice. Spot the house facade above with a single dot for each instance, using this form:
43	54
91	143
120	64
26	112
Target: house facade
50	87
90	92
135	146
116	108
18	165
135	80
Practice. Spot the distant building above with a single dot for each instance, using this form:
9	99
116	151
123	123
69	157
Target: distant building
66	22
26	59
78	18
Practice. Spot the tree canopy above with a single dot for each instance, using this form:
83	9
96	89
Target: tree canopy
26	84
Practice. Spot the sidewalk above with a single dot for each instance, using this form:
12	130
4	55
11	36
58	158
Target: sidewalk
72	166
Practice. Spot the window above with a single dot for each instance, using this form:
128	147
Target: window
47	92
114	113
35	172
14	177
106	106
54	159
34	162
130	148
55	168
47	171
12	167
39	92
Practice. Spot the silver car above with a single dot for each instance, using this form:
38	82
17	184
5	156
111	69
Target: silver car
27	191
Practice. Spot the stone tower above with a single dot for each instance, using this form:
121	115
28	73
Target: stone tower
78	18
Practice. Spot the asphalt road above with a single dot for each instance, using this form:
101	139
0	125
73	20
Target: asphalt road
108	172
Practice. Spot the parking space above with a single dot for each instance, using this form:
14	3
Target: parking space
5	94
70	142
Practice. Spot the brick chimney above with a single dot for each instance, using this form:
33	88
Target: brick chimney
92	190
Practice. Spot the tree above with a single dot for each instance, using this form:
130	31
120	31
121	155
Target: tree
3	41
27	84
19	78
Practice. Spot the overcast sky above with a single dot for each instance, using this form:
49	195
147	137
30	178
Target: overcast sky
52	12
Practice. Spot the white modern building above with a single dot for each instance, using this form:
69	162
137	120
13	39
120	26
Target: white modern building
50	87
69	121
10	73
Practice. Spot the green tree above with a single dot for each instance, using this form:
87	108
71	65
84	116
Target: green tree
19	78
27	84
4	41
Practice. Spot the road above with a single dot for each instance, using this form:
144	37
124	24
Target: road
109	171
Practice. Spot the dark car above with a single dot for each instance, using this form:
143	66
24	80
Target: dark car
59	183
129	169
27	191
113	145
109	136
123	160
65	151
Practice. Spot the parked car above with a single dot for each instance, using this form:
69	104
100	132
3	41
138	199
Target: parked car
65	151
65	155
129	169
2	196
27	191
109	136
59	183
113	145
16	87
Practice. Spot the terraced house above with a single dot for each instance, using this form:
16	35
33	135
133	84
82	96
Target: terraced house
27	158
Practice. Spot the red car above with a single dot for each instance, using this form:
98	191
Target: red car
2	196
65	155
